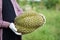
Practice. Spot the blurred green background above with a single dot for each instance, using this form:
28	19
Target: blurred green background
51	9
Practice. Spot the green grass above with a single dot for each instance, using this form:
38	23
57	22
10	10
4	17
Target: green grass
50	30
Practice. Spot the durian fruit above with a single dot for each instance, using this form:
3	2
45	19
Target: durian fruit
28	22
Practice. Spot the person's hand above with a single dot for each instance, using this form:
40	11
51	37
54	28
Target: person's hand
12	27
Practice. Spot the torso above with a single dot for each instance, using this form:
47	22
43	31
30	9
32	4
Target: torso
9	15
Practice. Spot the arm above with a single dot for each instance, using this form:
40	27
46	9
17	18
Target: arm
19	10
4	24
18	7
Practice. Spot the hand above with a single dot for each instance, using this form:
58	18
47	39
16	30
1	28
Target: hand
12	27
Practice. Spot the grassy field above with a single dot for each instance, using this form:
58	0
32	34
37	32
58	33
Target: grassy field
50	30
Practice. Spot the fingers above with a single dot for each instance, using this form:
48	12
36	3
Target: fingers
12	27
18	33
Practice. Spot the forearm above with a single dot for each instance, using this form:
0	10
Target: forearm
4	24
18	8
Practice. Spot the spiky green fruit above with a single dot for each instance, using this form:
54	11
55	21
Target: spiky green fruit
29	21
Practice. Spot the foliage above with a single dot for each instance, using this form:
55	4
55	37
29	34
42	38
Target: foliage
50	3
